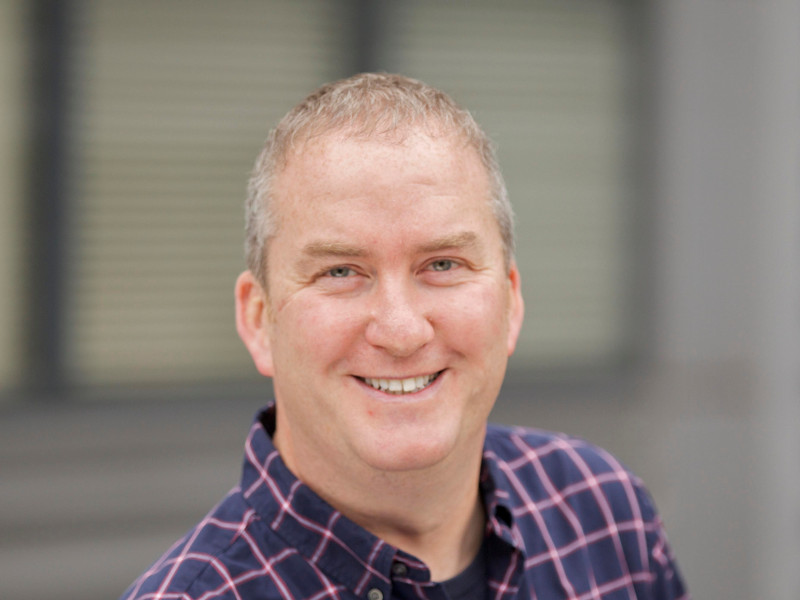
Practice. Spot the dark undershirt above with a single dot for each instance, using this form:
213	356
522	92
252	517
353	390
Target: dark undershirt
470	584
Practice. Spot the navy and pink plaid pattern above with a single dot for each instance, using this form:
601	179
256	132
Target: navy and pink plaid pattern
564	521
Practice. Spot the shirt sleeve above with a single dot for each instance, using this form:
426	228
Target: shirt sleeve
667	582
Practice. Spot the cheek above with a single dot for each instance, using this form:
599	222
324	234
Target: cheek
314	329
477	319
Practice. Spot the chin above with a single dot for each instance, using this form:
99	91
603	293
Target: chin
406	454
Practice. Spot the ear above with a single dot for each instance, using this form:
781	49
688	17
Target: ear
252	321
516	307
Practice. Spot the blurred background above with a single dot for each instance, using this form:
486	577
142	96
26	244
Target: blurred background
652	153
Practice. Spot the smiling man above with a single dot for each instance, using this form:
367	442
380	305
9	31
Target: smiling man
383	299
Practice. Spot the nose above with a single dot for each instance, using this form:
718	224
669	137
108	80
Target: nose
399	321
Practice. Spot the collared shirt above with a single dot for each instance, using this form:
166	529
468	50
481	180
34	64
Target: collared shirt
564	521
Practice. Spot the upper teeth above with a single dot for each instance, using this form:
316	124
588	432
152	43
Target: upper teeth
401	386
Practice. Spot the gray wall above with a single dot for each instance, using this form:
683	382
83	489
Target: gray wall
727	291
711	421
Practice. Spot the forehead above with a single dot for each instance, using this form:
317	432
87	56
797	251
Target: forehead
345	162
396	190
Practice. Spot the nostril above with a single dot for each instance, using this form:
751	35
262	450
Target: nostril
398	319
400	336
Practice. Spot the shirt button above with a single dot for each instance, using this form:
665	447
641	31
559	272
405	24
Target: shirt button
375	594
399	569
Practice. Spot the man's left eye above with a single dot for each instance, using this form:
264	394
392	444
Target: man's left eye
340	272
441	265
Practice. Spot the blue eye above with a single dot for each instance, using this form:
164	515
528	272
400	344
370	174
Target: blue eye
340	272
441	265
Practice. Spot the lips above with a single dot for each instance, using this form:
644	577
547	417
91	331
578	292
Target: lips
408	385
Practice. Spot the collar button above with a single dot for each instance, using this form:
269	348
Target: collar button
374	594
399	569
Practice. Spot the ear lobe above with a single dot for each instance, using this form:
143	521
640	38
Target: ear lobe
252	321
516	307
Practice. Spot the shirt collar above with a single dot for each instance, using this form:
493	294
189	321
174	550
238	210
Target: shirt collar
340	548
495	488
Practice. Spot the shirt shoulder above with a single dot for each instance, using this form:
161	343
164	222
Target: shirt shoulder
549	468
227	551
578	510
563	459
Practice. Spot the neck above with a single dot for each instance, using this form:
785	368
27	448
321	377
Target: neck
445	531
435	514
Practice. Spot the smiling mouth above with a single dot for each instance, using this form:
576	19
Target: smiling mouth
409	385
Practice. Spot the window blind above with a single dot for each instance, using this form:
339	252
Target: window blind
174	100
547	80
12	145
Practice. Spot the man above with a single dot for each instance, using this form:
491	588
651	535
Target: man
383	299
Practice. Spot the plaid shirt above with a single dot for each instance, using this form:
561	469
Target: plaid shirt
564	521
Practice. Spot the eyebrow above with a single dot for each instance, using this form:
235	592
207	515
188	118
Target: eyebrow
461	239
325	248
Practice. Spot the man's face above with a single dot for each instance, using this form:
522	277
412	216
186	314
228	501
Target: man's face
390	312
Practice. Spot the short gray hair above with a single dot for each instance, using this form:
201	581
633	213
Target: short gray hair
368	104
